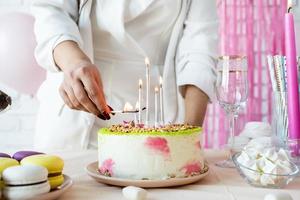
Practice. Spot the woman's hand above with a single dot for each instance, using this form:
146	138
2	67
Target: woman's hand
82	87
82	90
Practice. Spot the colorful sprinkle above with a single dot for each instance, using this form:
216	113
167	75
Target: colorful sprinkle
192	168
106	167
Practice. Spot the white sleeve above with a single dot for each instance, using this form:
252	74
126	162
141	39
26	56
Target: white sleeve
55	22
197	50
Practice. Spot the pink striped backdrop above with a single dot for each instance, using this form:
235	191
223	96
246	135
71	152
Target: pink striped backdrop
253	28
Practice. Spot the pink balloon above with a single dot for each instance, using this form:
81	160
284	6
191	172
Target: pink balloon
18	67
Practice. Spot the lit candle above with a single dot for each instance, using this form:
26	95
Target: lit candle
140	101
156	106
161	103
137	115
127	107
147	63
292	79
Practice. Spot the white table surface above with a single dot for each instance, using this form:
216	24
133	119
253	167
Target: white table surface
220	184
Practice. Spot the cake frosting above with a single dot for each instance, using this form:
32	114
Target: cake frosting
135	152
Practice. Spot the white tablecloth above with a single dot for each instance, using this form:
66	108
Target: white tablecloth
220	184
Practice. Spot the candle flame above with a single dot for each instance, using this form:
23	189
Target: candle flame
156	89
147	61
127	107
137	105
140	83
160	81
289	5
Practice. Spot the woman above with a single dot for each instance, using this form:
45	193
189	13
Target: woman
94	51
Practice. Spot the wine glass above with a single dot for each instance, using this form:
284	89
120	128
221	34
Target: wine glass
232	92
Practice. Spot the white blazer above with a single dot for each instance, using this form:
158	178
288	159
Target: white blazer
190	59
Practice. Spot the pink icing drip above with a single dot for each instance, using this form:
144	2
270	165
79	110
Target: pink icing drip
107	166
158	144
191	168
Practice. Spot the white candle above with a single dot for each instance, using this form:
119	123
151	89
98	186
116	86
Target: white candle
147	63
156	106
140	101
161	103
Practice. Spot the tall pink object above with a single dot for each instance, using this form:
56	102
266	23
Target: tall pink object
292	79
254	28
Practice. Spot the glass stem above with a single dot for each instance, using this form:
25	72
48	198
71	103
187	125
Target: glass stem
231	132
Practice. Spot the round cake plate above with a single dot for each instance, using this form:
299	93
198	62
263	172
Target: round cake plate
92	171
55	194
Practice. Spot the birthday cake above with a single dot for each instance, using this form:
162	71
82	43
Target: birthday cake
132	151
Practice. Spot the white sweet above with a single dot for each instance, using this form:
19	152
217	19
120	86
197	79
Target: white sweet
267	162
266	180
267	166
244	158
134	193
278	196
260	143
239	142
271	154
256	129
251	174
282	155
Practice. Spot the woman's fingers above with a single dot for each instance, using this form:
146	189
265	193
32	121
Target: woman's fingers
65	97
76	104
83	98
82	89
96	94
70	98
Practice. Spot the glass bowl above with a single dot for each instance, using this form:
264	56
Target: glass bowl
266	180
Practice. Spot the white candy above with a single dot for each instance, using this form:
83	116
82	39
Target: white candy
282	155
258	157
266	180
243	158
268	166
278	196
134	193
271	154
251	174
257	129
253	152
239	142
281	169
261	142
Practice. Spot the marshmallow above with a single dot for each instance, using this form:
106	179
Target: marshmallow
243	158
282	155
270	154
261	142
264	160
266	180
268	166
257	129
134	193
278	196
239	142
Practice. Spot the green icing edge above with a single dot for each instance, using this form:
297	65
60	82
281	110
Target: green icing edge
106	131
